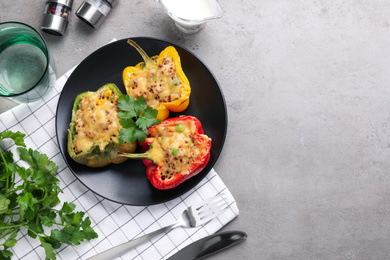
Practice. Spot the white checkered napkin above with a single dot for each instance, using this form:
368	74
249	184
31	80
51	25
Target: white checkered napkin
115	223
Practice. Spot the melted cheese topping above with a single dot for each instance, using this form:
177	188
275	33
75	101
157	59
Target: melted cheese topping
157	83
175	148
96	121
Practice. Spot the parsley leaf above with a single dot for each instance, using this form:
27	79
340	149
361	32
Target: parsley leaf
148	118
11	241
6	254
131	134
4	205
18	137
140	105
136	117
49	250
126	104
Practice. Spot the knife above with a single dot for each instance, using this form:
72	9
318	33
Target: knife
209	245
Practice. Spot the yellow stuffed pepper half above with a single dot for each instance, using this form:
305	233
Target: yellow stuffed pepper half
160	80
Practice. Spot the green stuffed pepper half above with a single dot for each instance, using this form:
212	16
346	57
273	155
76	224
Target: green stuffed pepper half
94	128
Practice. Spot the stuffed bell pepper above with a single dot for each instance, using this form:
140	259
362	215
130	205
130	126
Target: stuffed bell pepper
174	151
160	80
94	128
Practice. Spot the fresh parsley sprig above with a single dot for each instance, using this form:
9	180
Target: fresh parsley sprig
136	117
29	199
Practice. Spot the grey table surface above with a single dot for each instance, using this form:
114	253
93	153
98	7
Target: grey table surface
306	83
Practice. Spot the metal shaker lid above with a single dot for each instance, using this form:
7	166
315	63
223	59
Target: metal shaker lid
90	15
54	24
64	2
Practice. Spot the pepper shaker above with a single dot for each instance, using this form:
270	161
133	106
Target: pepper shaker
93	12
56	16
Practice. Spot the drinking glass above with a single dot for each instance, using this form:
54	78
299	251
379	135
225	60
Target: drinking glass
27	70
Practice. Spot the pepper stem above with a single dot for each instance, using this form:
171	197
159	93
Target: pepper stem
135	155
140	50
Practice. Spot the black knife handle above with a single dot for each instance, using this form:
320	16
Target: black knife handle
209	245
220	241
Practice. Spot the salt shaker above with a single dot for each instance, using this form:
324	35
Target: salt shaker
93	12
56	16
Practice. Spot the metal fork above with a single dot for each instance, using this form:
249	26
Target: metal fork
196	215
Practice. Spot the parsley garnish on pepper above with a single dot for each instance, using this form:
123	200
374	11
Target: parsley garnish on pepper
29	199
136	117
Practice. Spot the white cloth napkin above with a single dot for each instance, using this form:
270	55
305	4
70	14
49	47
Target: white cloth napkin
115	223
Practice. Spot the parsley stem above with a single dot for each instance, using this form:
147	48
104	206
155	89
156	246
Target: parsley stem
6	170
12	226
13	181
7	233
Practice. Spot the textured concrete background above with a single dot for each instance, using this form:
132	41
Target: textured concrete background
307	89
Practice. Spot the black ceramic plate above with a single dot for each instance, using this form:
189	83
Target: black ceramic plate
127	183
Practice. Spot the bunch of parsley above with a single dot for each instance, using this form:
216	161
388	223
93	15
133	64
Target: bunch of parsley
29	199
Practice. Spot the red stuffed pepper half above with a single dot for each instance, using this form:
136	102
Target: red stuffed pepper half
174	151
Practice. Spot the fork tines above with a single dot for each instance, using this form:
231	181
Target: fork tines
212	208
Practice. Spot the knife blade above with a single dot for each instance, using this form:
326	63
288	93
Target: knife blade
209	245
